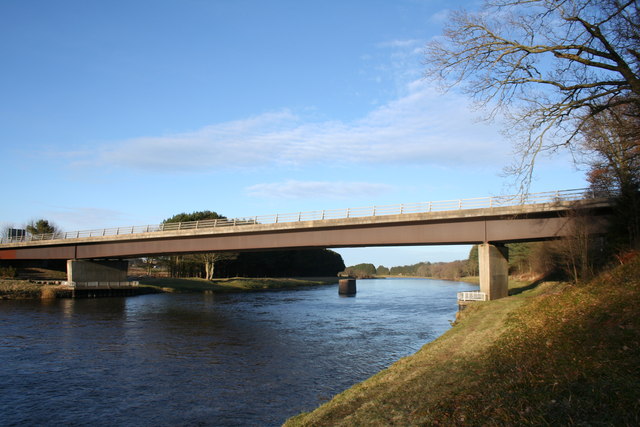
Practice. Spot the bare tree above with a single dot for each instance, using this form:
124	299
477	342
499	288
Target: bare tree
612	144
6	231
574	252
209	259
177	263
547	65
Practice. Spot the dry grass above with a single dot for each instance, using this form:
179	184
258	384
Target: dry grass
47	292
554	355
24	289
19	289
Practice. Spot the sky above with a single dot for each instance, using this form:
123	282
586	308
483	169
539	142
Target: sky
119	112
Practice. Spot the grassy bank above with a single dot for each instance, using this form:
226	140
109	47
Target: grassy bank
236	284
558	354
24	289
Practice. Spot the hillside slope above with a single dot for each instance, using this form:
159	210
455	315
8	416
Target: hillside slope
557	355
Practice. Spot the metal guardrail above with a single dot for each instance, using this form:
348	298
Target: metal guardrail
412	208
103	285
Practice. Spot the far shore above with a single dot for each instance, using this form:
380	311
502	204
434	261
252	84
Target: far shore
233	284
43	289
38	289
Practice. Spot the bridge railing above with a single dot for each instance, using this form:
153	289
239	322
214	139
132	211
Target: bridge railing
411	208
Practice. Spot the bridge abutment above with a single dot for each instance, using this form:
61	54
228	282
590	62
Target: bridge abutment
494	270
109	272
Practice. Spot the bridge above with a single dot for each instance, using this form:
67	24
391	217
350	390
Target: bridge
490	222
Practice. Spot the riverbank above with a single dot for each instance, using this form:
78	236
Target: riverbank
557	354
236	284
514	281
24	289
34	289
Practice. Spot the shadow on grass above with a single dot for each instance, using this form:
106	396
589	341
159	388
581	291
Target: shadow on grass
523	288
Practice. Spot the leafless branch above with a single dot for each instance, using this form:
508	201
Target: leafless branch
547	64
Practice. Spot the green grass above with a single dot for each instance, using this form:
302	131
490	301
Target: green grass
558	354
516	285
231	285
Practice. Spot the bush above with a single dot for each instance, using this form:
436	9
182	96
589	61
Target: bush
7	272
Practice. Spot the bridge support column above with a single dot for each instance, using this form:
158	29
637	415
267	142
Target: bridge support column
494	270
84	271
347	287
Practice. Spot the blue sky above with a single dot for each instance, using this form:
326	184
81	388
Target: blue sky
116	113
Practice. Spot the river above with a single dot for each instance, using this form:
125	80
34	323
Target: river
208	359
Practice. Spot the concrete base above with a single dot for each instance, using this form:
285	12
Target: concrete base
494	270
82	271
99	293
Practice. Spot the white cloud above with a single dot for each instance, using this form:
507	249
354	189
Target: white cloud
423	127
441	17
400	43
74	218
316	189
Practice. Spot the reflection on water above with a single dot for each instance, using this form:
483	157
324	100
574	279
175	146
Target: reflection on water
238	359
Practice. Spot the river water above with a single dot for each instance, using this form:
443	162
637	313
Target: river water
205	359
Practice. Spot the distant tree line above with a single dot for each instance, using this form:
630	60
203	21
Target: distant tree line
361	271
575	258
441	270
286	263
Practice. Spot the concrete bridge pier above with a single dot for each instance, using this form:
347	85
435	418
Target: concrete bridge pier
347	287
83	272
494	270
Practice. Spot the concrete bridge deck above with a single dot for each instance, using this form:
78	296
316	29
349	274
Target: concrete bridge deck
467	226
491	226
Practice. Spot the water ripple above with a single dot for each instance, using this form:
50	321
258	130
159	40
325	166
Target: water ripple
199	360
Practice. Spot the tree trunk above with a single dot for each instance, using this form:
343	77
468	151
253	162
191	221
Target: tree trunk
209	267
